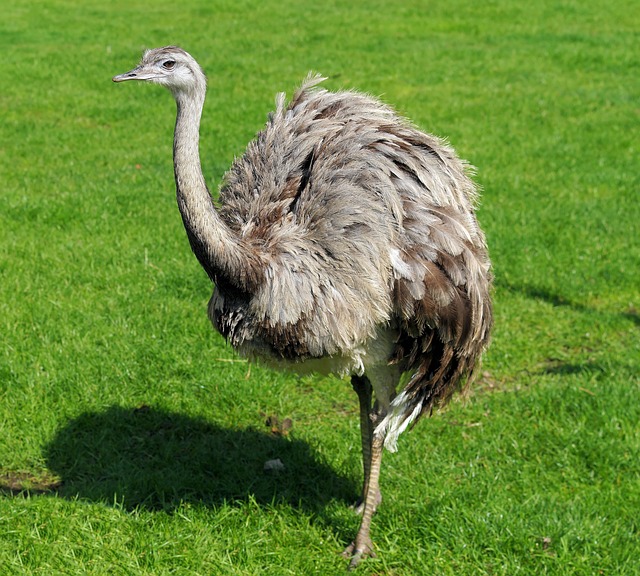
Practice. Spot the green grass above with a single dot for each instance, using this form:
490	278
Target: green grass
133	440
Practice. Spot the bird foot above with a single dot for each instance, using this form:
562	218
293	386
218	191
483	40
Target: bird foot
358	507
358	549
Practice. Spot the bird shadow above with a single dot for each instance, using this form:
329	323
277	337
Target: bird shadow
157	460
561	368
561	301
541	293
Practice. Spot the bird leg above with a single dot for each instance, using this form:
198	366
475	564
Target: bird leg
371	459
363	389
362	546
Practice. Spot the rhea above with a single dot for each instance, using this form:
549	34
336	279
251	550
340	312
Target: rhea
344	241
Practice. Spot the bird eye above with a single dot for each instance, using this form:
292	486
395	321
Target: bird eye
168	64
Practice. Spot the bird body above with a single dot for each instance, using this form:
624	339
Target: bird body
349	208
345	241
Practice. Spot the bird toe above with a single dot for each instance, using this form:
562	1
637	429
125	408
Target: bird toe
356	551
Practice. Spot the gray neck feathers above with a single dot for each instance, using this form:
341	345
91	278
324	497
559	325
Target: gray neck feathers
226	260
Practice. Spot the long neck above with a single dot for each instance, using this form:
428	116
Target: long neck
227	260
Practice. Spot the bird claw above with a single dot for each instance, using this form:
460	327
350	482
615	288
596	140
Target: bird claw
358	506
357	551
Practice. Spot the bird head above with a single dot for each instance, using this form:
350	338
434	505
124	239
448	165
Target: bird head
171	67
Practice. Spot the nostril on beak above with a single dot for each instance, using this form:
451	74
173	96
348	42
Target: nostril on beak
132	75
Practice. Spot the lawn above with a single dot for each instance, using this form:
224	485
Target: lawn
133	439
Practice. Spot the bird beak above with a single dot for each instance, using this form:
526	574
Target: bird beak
138	73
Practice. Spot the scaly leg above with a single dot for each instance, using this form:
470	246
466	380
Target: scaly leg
363	389
371	460
362	545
